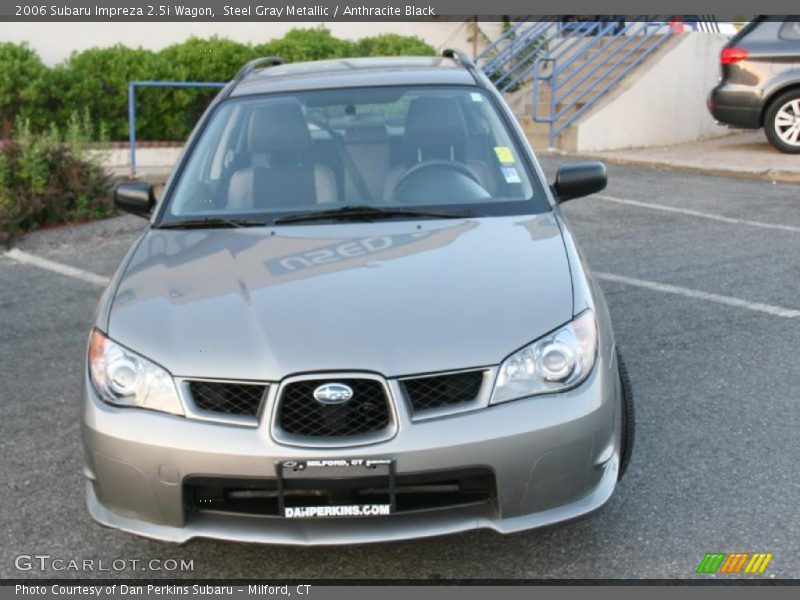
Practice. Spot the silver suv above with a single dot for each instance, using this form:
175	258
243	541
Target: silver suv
357	314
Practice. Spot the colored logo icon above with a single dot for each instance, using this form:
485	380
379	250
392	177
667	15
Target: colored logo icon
753	563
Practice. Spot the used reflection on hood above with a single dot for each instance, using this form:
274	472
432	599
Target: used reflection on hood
277	258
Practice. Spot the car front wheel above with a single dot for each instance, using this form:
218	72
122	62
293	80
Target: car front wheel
628	418
782	122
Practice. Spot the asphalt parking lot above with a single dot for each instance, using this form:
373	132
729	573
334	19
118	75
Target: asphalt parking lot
701	274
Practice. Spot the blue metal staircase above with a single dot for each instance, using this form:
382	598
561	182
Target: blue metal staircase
566	67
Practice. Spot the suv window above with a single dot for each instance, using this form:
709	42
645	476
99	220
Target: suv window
745	31
790	30
408	147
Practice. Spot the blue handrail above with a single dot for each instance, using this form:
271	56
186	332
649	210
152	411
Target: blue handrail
604	83
506	48
132	106
512	46
509	33
614	52
582	62
522	67
579	63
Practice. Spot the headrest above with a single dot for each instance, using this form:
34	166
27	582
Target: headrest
366	133
434	121
279	126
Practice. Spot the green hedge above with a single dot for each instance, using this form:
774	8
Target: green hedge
20	70
51	177
97	79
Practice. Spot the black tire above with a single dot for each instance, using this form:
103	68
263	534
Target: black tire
628	432
783	104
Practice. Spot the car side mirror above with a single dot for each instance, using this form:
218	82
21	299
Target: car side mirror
575	180
135	197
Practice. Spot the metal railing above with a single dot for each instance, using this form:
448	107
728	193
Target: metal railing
704	23
258	63
578	60
508	60
579	72
132	106
493	54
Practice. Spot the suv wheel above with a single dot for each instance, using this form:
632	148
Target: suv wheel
782	122
628	418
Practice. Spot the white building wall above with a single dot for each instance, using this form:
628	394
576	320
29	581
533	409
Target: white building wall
660	104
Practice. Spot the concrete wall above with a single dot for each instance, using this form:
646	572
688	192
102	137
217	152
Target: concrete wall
56	41
662	103
154	162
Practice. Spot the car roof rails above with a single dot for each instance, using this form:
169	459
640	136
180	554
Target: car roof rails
264	61
465	61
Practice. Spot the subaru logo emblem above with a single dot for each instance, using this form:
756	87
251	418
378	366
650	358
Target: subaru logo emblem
333	393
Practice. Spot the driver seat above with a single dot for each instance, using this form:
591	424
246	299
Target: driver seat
435	129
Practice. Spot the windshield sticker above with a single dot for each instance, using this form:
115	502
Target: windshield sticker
504	155
476	97
511	175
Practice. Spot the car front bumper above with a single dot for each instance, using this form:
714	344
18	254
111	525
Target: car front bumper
554	458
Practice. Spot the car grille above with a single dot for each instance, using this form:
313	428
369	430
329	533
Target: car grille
438	391
227	398
300	414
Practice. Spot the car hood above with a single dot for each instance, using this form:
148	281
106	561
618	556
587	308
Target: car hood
395	298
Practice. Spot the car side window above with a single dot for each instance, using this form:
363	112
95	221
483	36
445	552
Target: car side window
790	30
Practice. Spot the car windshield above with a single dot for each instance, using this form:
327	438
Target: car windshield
392	151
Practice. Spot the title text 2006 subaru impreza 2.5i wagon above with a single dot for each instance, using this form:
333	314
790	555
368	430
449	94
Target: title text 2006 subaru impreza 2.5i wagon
357	314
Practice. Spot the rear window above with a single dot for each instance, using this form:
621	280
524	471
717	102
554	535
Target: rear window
745	31
415	147
790	30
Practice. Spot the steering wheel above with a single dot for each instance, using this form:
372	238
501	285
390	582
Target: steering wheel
441	164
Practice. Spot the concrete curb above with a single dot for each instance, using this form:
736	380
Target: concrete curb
771	175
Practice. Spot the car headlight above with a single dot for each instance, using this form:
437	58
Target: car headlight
124	378
560	360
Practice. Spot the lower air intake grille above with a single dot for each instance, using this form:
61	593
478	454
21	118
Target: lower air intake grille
227	398
437	391
413	492
302	415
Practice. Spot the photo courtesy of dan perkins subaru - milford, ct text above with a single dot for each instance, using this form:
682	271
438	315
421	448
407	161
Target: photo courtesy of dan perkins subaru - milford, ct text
157	590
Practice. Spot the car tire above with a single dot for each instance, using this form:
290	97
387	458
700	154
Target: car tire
627	434
781	132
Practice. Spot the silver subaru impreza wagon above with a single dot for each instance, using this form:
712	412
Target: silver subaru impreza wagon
356	314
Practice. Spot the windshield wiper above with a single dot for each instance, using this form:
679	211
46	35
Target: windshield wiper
212	223
368	213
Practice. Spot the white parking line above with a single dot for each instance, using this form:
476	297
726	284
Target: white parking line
777	311
699	214
49	265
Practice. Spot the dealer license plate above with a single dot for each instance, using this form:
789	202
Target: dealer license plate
333	488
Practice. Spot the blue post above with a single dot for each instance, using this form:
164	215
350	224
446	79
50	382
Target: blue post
132	126
132	106
553	105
